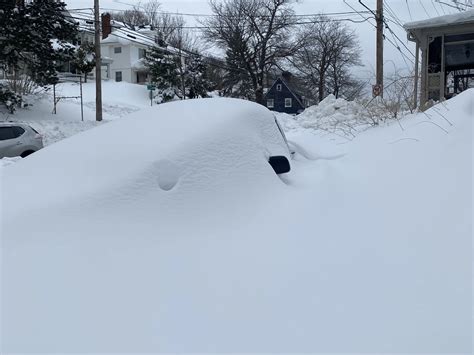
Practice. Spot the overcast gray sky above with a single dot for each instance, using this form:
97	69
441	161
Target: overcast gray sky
406	10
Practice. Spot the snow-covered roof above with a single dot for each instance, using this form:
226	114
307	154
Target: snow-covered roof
85	21
124	35
466	17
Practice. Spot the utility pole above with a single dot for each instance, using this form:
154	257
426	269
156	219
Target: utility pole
379	69
98	66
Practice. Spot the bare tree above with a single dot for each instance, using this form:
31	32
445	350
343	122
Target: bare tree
133	17
328	50
255	34
149	14
151	9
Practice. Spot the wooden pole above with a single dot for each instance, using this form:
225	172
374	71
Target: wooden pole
82	103
379	54
417	54
54	98
98	64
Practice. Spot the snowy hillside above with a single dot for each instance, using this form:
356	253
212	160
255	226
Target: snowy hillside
363	247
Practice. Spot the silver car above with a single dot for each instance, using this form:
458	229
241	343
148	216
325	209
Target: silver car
18	139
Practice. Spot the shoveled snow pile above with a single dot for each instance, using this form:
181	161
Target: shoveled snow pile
334	115
362	248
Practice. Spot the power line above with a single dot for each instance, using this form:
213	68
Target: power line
398	38
185	53
393	13
359	12
409	11
424	8
437	12
345	13
441	7
306	22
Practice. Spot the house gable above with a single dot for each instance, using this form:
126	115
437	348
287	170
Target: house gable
280	94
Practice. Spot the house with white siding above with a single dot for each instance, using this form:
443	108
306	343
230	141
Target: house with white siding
122	49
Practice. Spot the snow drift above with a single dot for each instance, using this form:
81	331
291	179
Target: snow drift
369	252
332	115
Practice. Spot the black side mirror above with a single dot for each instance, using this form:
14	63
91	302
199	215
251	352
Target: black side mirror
280	164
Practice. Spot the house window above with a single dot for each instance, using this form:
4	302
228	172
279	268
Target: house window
288	102
117	50
118	76
270	103
278	87
141	53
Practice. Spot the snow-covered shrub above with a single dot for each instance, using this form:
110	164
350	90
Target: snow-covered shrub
9	98
22	84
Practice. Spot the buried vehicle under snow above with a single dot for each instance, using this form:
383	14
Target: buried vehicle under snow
188	142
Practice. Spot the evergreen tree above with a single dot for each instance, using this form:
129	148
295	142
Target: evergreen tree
36	37
164	73
237	78
84	60
196	81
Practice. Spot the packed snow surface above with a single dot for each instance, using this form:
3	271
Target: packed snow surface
195	245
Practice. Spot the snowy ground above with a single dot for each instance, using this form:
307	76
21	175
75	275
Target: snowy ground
119	100
364	247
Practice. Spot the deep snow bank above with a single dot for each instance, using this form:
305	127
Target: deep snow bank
366	252
337	116
334	114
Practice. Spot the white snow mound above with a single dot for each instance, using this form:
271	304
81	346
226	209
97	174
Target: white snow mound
366	252
334	115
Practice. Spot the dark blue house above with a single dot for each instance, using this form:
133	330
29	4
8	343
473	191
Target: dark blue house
283	98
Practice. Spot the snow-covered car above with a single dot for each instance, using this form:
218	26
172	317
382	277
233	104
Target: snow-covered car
192	144
18	139
179	141
147	176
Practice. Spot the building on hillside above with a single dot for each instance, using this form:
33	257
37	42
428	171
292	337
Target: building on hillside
284	97
447	55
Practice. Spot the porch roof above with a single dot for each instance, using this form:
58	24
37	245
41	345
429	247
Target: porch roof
461	18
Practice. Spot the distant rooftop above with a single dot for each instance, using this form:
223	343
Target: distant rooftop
460	18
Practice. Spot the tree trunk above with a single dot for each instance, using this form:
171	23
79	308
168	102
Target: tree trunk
259	97
321	87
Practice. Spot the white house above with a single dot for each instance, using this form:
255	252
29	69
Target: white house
123	52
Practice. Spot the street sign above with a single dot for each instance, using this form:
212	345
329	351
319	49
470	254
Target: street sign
151	88
376	90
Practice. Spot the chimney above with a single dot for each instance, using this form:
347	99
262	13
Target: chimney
287	76
106	25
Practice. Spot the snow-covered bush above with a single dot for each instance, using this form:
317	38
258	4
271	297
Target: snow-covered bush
9	98
22	84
